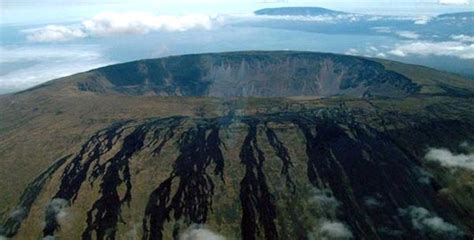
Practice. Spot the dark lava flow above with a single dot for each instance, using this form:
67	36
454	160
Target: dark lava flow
282	152
76	171
255	197
195	189
31	193
114	172
344	154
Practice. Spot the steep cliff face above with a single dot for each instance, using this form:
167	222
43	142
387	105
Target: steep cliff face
261	74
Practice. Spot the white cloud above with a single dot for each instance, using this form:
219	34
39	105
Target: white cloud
454	2
374	18
352	51
139	23
427	48
199	232
53	33
426	221
423	20
15	54
407	34
35	65
369	51
372	202
382	29
335	230
448	159
401	33
325	199
112	23
56	209
424	176
18	214
327	230
463	38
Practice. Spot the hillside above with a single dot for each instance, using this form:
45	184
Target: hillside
245	145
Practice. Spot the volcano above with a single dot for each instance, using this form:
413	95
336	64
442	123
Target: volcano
240	145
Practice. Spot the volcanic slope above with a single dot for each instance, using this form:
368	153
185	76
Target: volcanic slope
245	145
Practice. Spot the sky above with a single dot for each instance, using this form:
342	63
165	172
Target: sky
51	11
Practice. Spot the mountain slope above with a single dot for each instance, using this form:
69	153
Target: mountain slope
97	157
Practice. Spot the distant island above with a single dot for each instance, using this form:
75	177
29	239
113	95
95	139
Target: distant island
317	11
298	11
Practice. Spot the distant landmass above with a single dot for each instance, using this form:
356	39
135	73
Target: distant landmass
458	15
444	27
294	11
316	11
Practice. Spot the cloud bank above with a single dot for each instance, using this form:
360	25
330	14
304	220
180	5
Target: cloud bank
427	48
458	49
448	159
112	23
54	33
30	65
463	38
408	34
115	23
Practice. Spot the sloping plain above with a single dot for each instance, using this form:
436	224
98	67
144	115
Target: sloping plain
252	145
